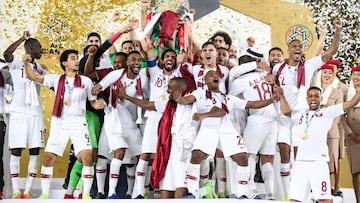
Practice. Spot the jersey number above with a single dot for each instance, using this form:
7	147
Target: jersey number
263	90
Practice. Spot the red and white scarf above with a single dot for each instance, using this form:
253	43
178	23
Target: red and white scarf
59	98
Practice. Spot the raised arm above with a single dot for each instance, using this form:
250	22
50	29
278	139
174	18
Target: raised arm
29	72
114	18
8	53
325	56
89	69
349	104
144	8
321	41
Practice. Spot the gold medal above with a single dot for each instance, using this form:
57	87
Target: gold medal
304	136
67	102
294	88
162	97
8	98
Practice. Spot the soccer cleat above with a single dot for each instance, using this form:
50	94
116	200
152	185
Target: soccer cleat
139	197
147	195
209	191
1	194
243	197
127	196
44	196
257	196
100	195
86	196
113	196
286	198
339	194
17	195
189	196
67	196
26	196
221	196
270	197
65	186
80	196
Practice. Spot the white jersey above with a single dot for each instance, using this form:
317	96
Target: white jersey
312	144
253	87
25	89
78	95
239	70
129	114
205	103
296	98
200	71
104	62
159	84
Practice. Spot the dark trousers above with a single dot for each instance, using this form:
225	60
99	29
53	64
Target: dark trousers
2	138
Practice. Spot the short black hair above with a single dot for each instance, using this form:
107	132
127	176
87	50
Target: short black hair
64	56
314	88
134	52
166	51
207	43
222	48
93	34
276	48
181	82
120	53
127	41
31	41
223	34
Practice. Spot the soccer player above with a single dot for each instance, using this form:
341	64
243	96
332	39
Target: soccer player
294	78
25	111
216	130
311	171
120	127
68	120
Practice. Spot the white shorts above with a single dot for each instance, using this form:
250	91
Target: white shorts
211	136
150	136
103	145
129	138
284	130
309	176
76	130
175	172
26	131
260	136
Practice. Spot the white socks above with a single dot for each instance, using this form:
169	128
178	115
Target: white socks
32	171
114	175
242	177
192	178
46	175
100	168
15	172
87	177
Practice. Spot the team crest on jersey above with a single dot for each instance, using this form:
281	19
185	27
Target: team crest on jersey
301	119
159	82
320	114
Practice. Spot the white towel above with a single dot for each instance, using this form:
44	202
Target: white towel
31	95
351	93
